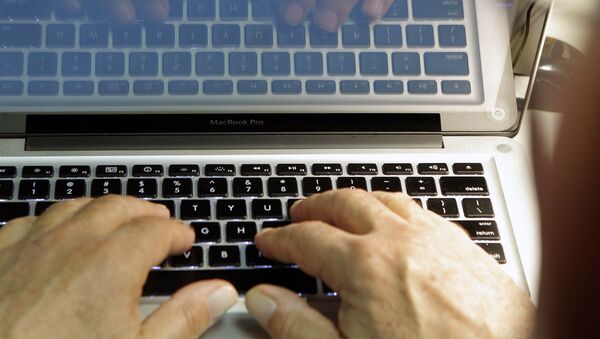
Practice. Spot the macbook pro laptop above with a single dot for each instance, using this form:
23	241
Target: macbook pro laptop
227	115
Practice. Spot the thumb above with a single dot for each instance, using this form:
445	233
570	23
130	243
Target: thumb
190	311
284	314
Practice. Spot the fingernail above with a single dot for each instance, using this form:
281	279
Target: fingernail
375	8
73	5
293	13
220	300
327	19
260	306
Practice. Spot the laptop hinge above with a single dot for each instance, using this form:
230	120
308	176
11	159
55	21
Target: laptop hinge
235	142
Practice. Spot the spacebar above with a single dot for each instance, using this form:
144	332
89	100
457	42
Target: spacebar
162	283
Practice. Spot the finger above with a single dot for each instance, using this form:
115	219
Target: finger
59	213
285	315
376	8
355	211
316	247
154	10
294	11
331	14
190	311
71	6
15	231
121	11
400	203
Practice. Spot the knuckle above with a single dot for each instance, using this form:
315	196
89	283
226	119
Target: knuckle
196	317
284	323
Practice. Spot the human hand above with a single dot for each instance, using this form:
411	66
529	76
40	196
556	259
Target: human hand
400	272
78	270
123	11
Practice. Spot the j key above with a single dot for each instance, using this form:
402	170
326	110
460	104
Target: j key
167	282
207	231
74	171
438	9
37	172
467	168
191	258
275	224
102	187
247	187
481	229
195	209
397	169
433	169
184	170
13	210
291	169
353	183
240	231
147	171
495	250
255	258
6	189
312	186
421	186
111	171
34	189
219	170
142	188
224	256
327	169
169	204
267	209
387	184
443	207
291	203
212	187
8	171
464	186
282	187
69	189
177	188
248	170
231	209
478	208
362	169
42	206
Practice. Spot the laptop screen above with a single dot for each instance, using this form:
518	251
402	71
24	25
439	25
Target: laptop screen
245	57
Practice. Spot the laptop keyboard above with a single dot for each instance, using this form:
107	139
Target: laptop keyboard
421	52
228	204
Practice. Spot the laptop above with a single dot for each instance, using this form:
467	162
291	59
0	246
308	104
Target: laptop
227	115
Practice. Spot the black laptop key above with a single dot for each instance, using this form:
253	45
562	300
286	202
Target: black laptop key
362	169
255	169
142	188
69	189
313	185
111	171
495	250
464	186
386	184
352	182
207	231
467	168
224	256
6	189
255	258
266	209
275	223
147	171
478	208
8	172
219	170
191	258
42	206
167	282
212	187
247	187
37	172
397	169
101	187
195	210
433	169
446	208
481	229
291	203
177	188
169	204
231	209
240	231
74	171
282	187
327	169
291	169
421	186
13	210
34	189
184	170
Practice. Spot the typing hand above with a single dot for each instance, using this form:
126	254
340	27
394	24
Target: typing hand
123	11
330	14
400	272
77	271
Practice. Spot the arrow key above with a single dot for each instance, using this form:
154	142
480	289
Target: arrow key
191	258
